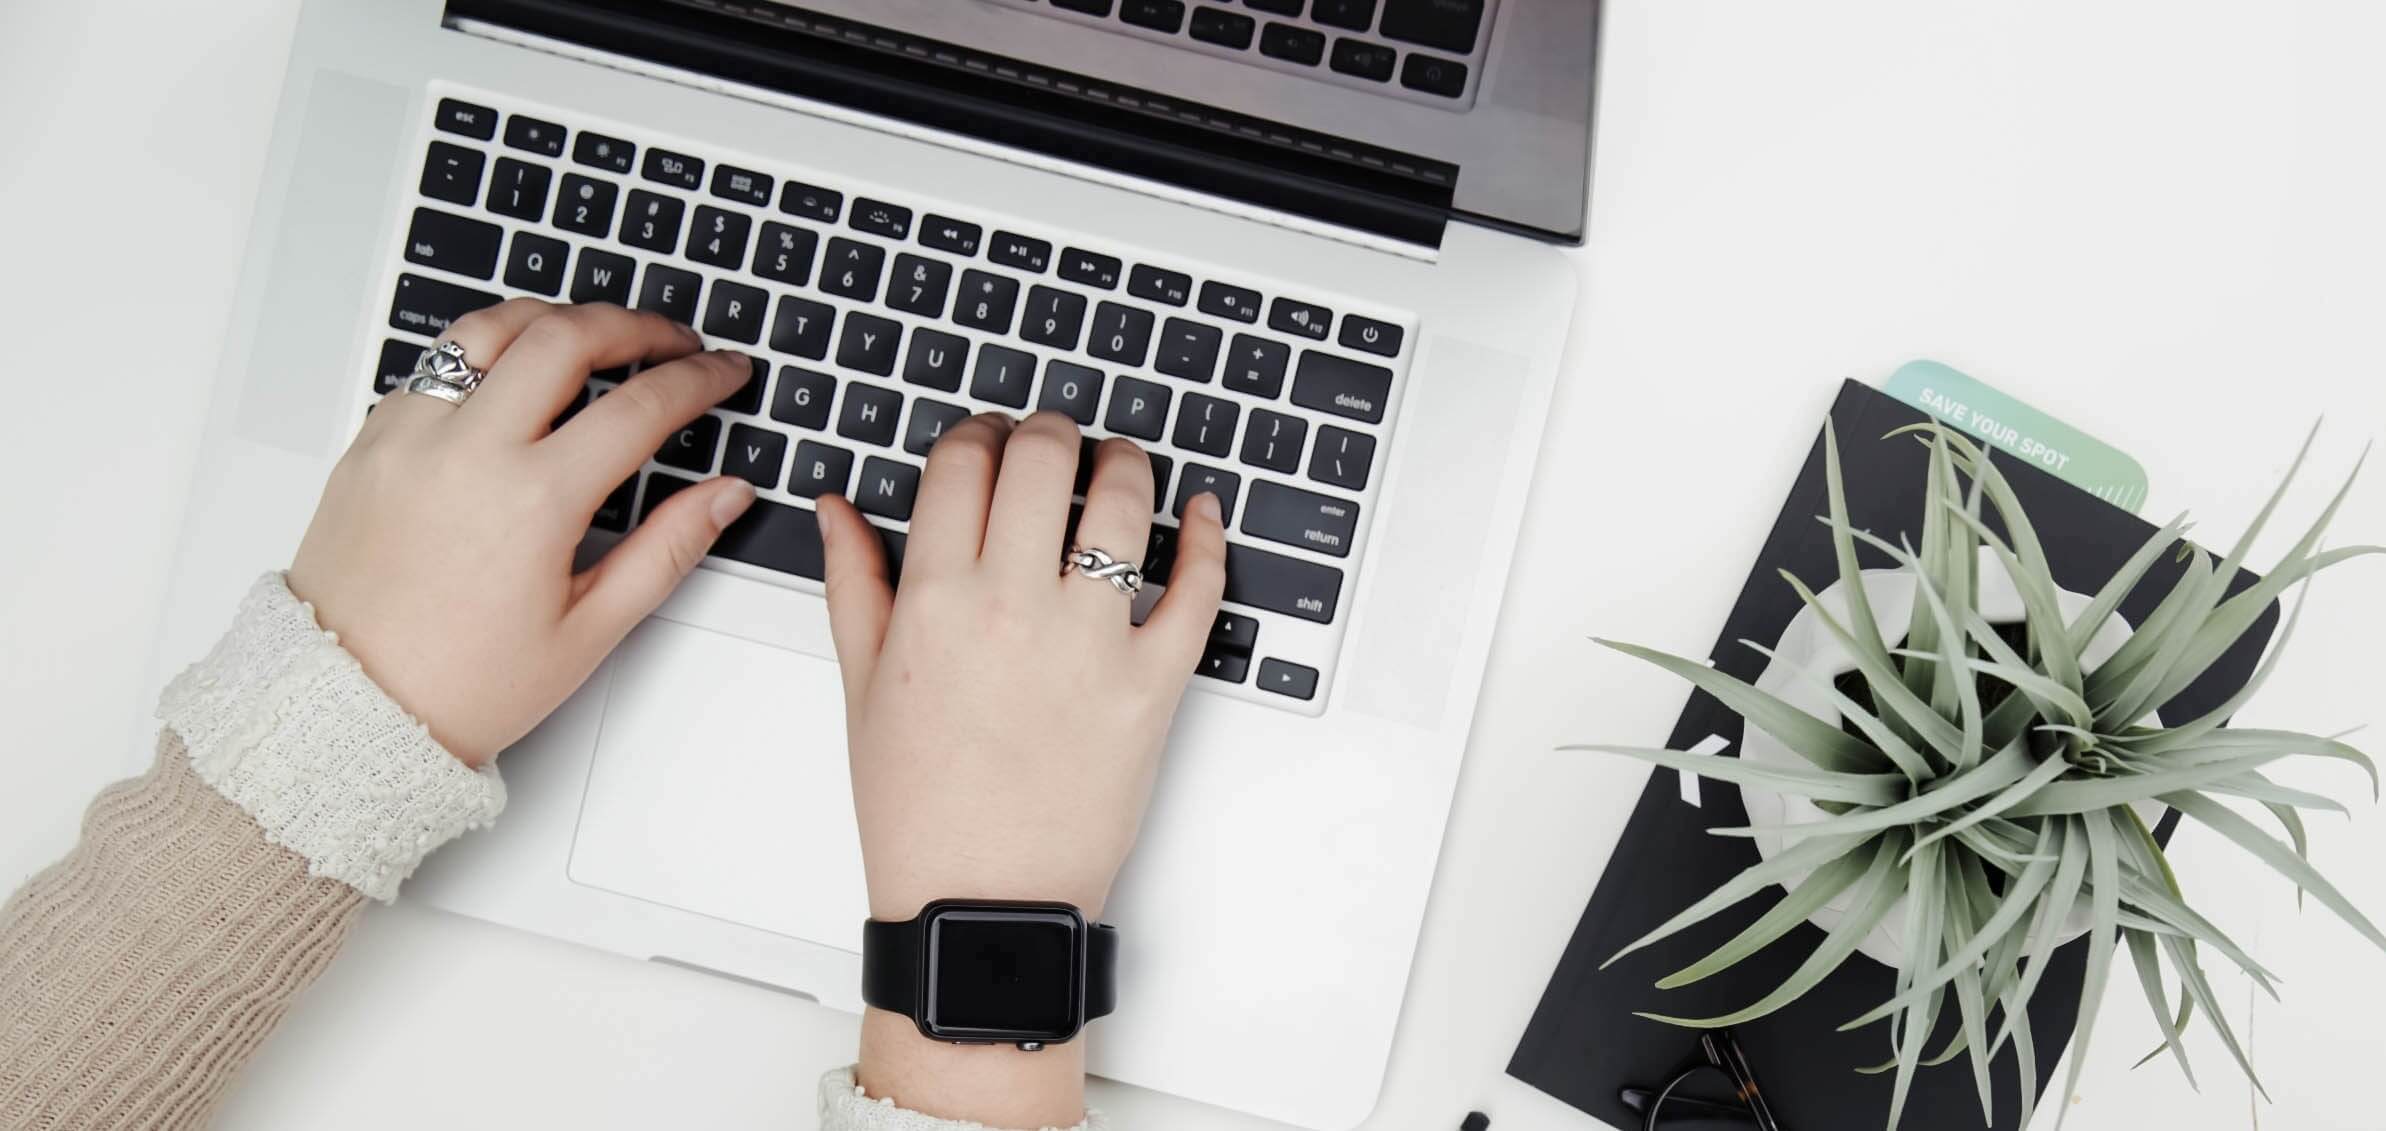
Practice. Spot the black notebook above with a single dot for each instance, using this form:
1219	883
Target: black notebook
1584	1045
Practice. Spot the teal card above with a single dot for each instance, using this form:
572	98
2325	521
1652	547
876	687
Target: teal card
2022	432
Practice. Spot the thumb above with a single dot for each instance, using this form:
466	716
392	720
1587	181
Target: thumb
635	576
860	597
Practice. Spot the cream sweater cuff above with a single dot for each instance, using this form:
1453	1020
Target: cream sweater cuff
286	724
845	1107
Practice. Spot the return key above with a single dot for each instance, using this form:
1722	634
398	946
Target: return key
1300	518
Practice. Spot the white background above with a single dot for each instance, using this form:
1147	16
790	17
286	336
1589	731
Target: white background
2163	220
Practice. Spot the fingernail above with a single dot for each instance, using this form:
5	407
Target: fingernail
689	332
731	503
1206	505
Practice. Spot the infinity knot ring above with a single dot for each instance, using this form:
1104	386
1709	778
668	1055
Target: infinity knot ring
1099	565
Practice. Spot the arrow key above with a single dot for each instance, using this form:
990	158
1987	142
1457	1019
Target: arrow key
1285	678
1228	666
1234	632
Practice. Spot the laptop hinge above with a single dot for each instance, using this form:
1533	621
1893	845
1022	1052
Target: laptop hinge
1388	200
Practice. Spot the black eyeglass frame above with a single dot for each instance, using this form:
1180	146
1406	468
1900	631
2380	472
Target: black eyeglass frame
1720	1053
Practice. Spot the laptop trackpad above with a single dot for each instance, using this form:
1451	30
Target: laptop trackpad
719	786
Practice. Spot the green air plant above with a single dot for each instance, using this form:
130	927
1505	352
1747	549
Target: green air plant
1987	778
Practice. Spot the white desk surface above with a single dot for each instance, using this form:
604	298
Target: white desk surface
2164	219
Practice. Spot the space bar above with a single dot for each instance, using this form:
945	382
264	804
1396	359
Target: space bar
771	535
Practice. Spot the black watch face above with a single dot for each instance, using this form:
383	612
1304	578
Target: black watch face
1003	975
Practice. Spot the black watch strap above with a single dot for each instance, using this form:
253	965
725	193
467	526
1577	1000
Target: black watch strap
894	955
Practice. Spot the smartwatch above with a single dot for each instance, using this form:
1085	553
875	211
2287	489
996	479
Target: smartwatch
983	973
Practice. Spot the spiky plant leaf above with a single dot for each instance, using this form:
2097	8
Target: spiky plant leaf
1827	746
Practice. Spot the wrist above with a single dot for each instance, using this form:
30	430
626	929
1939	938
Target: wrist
995	1085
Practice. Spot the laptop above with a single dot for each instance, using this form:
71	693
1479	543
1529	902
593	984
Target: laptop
1302	250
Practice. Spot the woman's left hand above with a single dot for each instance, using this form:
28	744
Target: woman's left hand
442	550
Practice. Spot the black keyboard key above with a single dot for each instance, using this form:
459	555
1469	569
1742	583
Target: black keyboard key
670	292
1341	386
1366	60
1450	25
614	513
735	312
1020	252
534	136
771	535
801	398
986	301
1121	333
1357	15
1234	632
1153	284
1307	320
1002	375
937	359
1302	45
756	455
1301	518
460	117
748	397
785	253
1371	336
1090	269
1267	580
396	364
1159	552
1222	300
1089	7
852	269
1445	77
1138	409
879	218
811	202
1206	425
1160	466
869	343
585	205
1256	365
887	488
1200	479
1223	665
651	221
600	152
1224	28
453	243
1273	441
929	419
1158	15
1287	678
944	234
1053	317
718	237
518	189
675	169
1189	350
820	469
692	447
452	173
869	413
535	263
1342	458
1277	7
744	186
920	285
1073	389
426	306
801	327
602	276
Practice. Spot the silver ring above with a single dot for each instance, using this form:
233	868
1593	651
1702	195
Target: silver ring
1099	565
442	372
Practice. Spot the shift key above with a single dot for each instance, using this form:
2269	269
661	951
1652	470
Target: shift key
1271	581
1341	386
1300	518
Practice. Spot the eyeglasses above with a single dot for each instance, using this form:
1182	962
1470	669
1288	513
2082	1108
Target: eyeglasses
1679	1106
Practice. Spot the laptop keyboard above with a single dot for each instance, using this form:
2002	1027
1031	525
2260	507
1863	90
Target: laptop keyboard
1427	51
878	319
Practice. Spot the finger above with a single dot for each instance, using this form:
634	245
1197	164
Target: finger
1180	624
860	596
551	358
617	433
484	334
948	524
1031	498
1118	514
634	577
